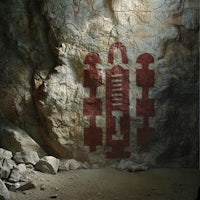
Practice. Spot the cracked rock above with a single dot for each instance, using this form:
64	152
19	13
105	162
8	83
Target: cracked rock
48	164
4	193
6	166
125	164
15	139
138	167
70	164
27	157
4	154
14	175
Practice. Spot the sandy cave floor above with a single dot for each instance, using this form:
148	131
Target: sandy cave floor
112	184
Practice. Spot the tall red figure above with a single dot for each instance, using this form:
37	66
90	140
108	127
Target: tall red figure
145	106
117	105
92	106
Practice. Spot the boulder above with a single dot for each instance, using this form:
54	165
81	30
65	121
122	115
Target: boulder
48	164
5	154
6	166
15	139
4	193
125	164
138	167
15	175
69	164
22	168
27	157
19	173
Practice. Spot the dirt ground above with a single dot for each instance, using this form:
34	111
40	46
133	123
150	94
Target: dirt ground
112	184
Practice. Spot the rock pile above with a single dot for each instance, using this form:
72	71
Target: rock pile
16	170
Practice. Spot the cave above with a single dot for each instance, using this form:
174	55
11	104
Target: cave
106	90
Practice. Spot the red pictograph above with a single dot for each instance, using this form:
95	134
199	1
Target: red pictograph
117	102
117	105
145	106
92	106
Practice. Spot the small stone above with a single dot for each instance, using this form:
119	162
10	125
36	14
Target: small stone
73	164
22	168
4	192
48	164
29	166
42	187
5	154
18	173
77	175
5	167
84	165
26	186
15	175
54	196
20	186
138	167
70	164
64	165
125	164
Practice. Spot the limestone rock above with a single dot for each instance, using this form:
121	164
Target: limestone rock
22	168
15	139
84	165
138	167
21	186
26	186
48	102
14	175
94	166
17	173
70	164
125	164
48	164
5	154
4	193
27	157
6	165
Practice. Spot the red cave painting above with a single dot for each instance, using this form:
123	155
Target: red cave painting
92	106
145	106
117	102
117	105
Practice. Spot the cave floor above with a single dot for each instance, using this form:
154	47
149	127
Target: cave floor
112	184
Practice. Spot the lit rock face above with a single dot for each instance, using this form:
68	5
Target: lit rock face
44	45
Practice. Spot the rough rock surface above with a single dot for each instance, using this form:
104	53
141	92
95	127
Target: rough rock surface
15	175
15	139
6	165
48	164
70	164
4	154
27	157
4	193
43	47
125	164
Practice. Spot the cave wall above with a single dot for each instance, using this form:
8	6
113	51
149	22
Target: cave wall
55	65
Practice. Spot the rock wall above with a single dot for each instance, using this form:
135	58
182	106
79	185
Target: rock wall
59	63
